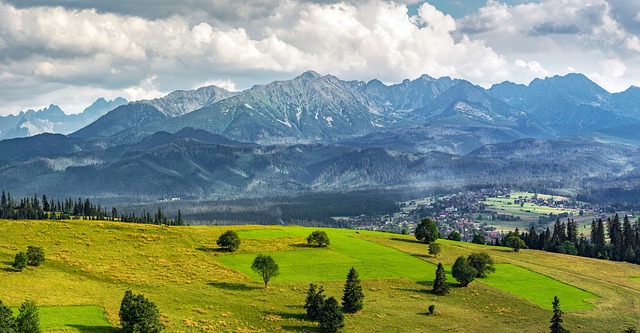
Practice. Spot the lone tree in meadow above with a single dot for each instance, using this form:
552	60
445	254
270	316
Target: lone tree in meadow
20	261
7	322
440	286
426	231
331	317
35	256
318	238
353	297
314	302
556	320
463	272
516	243
229	240
28	320
138	314
434	249
482	262
266	267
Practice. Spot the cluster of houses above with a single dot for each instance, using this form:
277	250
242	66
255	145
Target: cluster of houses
464	212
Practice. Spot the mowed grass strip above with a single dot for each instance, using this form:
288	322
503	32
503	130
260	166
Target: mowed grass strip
81	317
537	288
373	261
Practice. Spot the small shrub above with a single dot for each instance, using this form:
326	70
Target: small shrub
20	261
318	238
434	249
35	256
229	240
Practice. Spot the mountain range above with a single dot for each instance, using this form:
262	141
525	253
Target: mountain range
317	133
53	120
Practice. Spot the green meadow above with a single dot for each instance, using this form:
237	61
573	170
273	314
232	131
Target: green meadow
199	288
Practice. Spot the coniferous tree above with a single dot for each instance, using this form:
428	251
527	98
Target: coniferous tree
532	238
28	320
7	322
138	314
353	297
440	286
572	231
314	302
556	320
615	236
628	235
331	317
598	239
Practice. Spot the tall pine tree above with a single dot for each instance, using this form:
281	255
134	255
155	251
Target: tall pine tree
353	298
440	286
556	320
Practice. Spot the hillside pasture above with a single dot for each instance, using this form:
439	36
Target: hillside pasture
200	288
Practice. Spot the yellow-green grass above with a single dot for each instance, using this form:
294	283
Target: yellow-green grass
538	288
93	263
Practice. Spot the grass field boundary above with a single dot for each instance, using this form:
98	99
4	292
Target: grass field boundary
83	317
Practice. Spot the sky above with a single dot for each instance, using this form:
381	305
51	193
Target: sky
71	52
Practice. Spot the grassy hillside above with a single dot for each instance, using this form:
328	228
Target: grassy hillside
200	289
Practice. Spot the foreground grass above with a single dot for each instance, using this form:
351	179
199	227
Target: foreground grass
184	273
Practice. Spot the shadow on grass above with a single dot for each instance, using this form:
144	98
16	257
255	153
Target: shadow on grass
9	269
233	286
298	328
94	329
406	240
212	249
303	246
424	256
289	315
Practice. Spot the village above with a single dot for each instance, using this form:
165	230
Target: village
489	212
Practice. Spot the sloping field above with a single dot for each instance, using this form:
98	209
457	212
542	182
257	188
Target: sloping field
198	288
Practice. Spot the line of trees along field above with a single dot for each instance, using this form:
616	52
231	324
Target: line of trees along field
623	245
43	208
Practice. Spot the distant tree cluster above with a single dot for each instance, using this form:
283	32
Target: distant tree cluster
159	217
33	257
623	244
27	321
36	208
327	312
464	270
43	208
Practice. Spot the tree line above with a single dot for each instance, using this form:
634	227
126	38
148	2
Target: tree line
43	208
623	244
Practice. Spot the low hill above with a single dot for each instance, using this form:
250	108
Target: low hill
199	288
